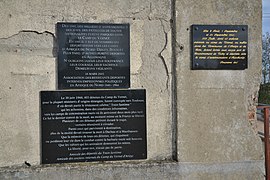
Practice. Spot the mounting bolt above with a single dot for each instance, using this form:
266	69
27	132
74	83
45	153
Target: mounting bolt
181	47
243	29
196	28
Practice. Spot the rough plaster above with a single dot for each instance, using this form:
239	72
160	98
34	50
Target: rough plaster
39	15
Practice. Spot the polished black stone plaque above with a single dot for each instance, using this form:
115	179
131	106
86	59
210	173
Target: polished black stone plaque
219	47
85	126
93	56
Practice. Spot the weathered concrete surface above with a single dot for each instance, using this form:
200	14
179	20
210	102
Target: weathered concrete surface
215	140
213	105
249	170
27	66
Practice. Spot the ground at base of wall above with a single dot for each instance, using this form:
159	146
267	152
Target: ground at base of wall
138	170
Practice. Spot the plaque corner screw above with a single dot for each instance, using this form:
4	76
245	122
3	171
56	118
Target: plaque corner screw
197	64
243	29
196	28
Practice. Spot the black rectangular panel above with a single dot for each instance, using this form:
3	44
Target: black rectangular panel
220	47
84	126
93	56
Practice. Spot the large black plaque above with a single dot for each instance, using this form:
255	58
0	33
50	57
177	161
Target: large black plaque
93	56
83	126
220	47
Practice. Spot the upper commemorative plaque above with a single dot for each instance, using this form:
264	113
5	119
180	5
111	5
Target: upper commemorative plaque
93	56
220	47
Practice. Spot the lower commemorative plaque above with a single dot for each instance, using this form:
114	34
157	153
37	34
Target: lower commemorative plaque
84	126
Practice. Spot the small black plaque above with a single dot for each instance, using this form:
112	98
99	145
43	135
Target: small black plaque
84	126
93	56
220	47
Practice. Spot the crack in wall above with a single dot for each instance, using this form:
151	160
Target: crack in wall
18	42
143	18
23	74
137	12
174	125
161	56
150	12
29	31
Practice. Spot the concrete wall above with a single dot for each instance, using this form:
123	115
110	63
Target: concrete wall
213	105
199	118
27	61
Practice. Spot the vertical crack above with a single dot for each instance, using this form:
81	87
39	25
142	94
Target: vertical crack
161	56
150	12
174	84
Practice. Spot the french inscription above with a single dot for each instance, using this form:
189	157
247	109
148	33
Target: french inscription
93	56
219	46
83	126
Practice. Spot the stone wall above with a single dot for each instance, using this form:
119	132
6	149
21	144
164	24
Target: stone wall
196	120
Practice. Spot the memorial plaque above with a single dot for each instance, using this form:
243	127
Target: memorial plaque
93	56
84	126
220	47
